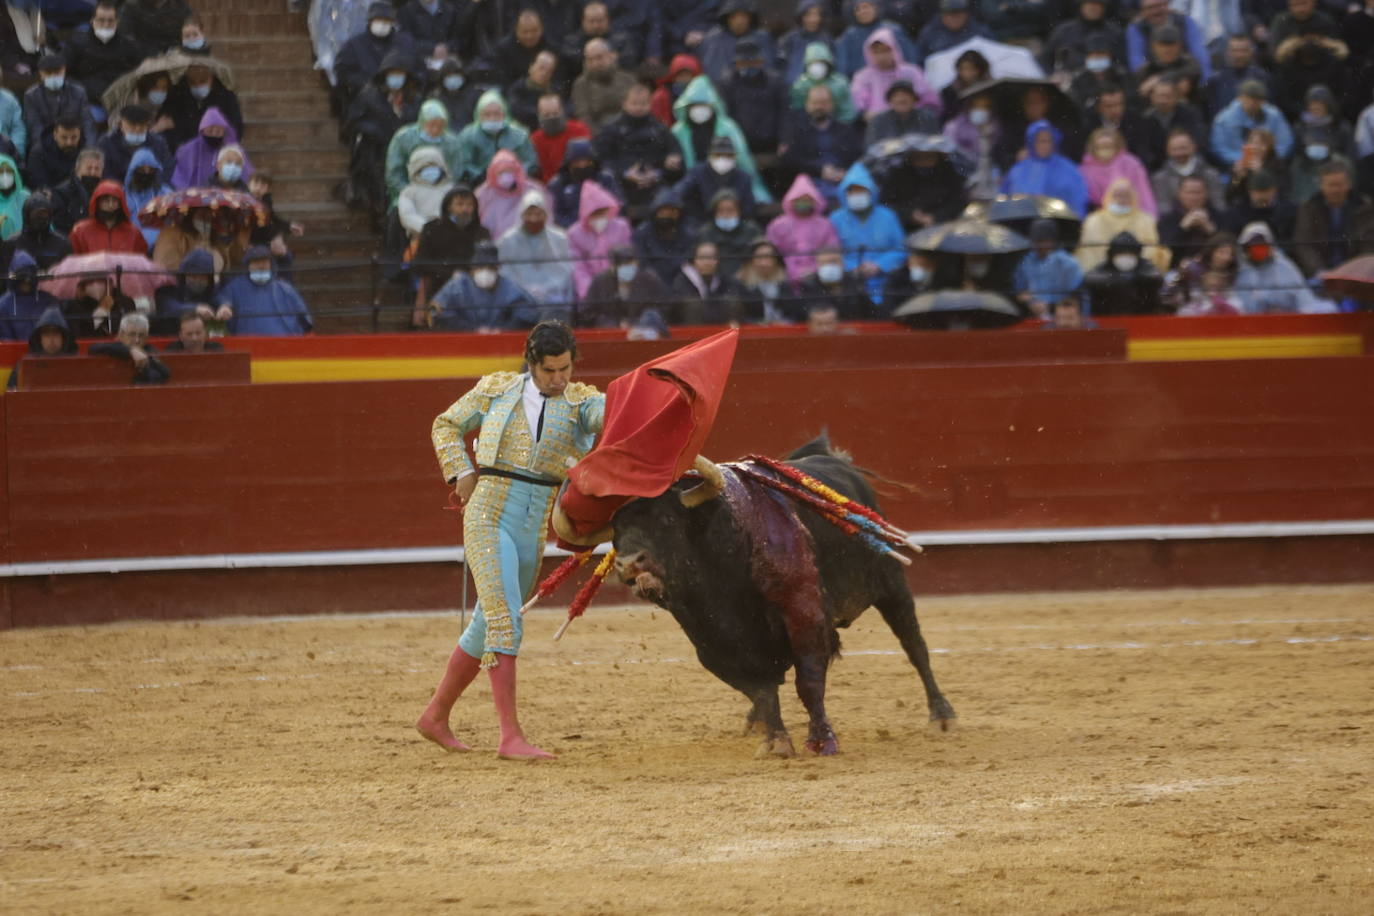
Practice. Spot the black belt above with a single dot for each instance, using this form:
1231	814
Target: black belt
512	475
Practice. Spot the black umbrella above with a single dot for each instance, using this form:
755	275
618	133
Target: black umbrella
957	310
1008	91
968	236
885	155
1018	211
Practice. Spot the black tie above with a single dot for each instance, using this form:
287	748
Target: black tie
539	428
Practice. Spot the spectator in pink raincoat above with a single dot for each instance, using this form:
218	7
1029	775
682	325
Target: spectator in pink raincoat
885	66
802	228
498	199
599	228
1106	160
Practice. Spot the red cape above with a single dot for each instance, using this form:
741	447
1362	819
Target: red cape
657	419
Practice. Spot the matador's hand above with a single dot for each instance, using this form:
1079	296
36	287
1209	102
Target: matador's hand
464	487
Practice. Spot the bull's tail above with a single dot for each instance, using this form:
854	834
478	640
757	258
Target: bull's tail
882	485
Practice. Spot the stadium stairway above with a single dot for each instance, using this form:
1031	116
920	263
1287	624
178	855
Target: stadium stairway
291	134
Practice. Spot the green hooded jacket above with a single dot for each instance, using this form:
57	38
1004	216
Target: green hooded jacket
12	202
839	86
700	92
476	146
410	138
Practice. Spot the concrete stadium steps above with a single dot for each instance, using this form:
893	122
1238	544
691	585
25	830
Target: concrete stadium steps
291	133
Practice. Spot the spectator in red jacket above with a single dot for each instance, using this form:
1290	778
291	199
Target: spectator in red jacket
108	228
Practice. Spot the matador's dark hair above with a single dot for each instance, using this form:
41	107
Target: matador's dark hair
549	338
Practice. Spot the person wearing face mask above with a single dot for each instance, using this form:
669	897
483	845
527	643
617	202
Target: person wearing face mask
802	228
757	101
196	161
819	146
812	28
885	66
151	92
538	259
1107	160
43	243
701	117
481	300
727	227
12	197
1318	147
599	229
1120	213
194	292
456	92
23	302
261	303
580	165
132	135
818	68
98	56
109	226
430	128
1123	282
977	133
663	240
865	17
500	196
870	234
718	172
682	69
1183	161
1066	48
157	25
422	199
1267	281
362	54
388	104
830	286
1098	72
914	276
193	41
619	295
54	97
1045	171
231	169
492	131
143	181
446	245
1047	273
198	91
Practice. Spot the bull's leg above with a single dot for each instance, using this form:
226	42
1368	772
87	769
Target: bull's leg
765	717
813	643
899	610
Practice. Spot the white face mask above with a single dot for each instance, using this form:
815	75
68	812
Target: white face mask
817	70
1186	168
1119	209
493	127
6	180
485	278
1098	64
200	92
917	274
157	97
381	28
1125	262
700	114
453	82
599	223
260	277
505	181
395	80
54	83
722	165
195	44
103	34
1317	151
431	174
626	273
830	273
727	223
979	116
859	201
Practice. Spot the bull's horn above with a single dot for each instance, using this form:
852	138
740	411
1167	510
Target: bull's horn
564	527
712	483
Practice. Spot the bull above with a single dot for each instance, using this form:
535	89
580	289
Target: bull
761	583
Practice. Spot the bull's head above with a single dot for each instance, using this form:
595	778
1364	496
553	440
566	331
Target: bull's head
712	483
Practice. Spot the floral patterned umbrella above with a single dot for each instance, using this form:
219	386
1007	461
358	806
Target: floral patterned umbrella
223	205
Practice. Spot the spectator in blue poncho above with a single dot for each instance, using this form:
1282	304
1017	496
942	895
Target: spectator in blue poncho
144	180
264	304
870	234
481	300
1044	171
1047	273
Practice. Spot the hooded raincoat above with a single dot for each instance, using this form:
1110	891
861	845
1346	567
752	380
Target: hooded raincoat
419	201
700	92
1274	285
845	109
798	237
20	310
1052	175
273	309
467	307
12	201
138	198
873	236
411	137
1103	225
1124	165
50	318
849	49
870	84
792	46
539	264
196	158
592	249
476	147
93	235
500	207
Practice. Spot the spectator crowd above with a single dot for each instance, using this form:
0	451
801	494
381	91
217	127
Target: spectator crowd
642	164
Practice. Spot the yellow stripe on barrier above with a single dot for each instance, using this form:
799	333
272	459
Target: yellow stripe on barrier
1181	348
343	370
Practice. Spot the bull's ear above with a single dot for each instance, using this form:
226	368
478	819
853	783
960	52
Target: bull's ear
711	486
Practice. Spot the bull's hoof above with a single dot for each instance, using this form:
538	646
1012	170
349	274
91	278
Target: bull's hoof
753	726
942	725
942	716
823	747
776	747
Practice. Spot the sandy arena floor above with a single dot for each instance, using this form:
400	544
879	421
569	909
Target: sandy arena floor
1176	752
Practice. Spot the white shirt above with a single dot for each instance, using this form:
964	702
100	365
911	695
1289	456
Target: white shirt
534	405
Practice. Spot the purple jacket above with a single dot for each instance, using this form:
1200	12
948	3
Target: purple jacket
798	237
196	158
870	84
592	251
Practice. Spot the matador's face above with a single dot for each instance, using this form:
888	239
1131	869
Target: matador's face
552	373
